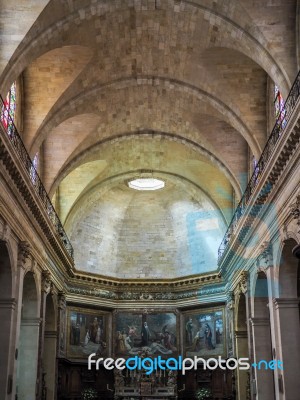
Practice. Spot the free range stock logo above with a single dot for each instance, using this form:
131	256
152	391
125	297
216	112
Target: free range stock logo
180	364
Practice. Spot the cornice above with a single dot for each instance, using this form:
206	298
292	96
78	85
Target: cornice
277	164
16	171
140	294
140	285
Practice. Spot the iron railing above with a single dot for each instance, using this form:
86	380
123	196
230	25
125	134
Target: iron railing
260	167
15	139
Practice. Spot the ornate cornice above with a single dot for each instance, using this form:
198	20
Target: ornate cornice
140	285
146	296
16	169
272	166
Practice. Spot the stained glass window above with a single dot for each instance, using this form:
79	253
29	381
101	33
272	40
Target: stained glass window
35	163
9	109
255	168
279	107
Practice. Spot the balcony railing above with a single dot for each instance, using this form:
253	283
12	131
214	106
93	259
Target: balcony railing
260	167
17	143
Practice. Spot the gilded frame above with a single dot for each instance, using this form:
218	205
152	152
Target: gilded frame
143	313
204	344
81	347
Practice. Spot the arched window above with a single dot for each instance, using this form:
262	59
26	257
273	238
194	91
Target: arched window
34	168
8	110
279	108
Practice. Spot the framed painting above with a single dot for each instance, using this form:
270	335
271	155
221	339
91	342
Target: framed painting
87	333
204	333
151	333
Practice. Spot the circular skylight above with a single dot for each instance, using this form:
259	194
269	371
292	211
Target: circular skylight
146	184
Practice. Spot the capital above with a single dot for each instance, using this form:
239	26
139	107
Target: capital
24	251
295	210
61	300
46	281
243	283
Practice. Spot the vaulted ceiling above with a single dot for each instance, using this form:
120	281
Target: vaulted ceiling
179	89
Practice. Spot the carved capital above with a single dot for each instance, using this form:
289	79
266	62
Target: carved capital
46	281
243	284
61	300
230	300
295	210
266	256
24	251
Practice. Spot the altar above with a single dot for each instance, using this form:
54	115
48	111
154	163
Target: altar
137	385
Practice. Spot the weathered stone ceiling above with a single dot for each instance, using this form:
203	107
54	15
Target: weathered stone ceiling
114	87
164	234
129	155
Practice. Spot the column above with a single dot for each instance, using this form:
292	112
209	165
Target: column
262	351
29	341
46	287
7	308
287	311
241	339
49	364
24	261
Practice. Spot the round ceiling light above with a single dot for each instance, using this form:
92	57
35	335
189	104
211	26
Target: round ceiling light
146	184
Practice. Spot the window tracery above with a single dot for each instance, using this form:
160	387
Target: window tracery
8	110
279	107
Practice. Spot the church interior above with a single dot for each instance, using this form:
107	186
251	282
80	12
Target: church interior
149	197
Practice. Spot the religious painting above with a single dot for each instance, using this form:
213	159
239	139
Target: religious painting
148	333
204	333
87	333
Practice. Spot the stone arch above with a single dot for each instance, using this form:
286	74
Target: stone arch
288	271
5	272
28	340
67	62
62	111
74	162
89	196
261	296
7	306
237	25
49	349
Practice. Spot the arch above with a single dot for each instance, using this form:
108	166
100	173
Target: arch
261	296
77	206
241	320
237	26
67	62
28	340
49	349
288	271
72	163
61	112
7	306
5	272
